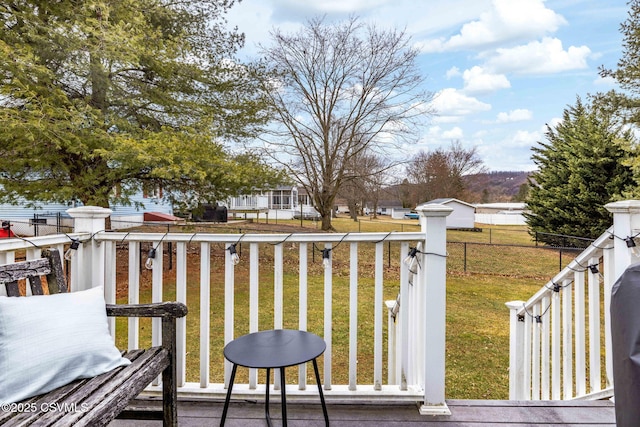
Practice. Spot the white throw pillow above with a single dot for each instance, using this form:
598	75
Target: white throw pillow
47	341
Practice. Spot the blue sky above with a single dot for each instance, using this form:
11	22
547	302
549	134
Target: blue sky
500	69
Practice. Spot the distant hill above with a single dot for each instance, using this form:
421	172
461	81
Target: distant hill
494	187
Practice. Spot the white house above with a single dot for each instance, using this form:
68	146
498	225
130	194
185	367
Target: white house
47	218
463	215
283	202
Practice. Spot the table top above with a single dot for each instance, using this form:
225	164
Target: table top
277	348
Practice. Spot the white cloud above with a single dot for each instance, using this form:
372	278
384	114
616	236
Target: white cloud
540	57
506	20
553	123
451	102
517	115
453	72
437	136
477	80
523	138
453	133
605	81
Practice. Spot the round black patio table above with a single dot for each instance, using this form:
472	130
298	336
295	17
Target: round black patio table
274	349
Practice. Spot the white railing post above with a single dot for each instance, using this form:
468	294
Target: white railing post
433	221
626	224
391	343
87	270
516	356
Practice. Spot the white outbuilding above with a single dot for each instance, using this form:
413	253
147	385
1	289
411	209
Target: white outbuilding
463	215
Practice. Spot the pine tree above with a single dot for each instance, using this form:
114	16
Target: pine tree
625	104
100	99
580	169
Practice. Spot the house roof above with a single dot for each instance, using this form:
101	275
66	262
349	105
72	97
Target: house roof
444	201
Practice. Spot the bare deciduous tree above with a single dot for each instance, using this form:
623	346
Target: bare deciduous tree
364	177
440	173
341	90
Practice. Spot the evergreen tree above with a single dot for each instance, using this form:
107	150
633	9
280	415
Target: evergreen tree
100	99
626	104
580	169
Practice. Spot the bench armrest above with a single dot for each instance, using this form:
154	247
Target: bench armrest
172	309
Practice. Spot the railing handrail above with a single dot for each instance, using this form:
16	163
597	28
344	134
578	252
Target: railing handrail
260	237
594	250
17	243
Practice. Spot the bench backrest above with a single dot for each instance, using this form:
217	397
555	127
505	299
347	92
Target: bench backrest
50	266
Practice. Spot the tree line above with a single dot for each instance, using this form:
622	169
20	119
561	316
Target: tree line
99	101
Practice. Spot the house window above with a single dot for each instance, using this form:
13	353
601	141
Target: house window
151	191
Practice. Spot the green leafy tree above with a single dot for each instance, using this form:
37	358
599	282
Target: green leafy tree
580	169
100	99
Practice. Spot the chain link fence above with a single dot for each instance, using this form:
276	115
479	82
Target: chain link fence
508	260
42	225
485	256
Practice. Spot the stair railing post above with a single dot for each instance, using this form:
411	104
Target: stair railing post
433	280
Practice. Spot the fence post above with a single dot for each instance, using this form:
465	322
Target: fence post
516	352
433	280
87	266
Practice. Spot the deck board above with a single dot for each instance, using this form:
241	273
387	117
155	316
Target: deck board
464	413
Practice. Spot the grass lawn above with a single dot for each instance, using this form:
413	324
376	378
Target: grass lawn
477	319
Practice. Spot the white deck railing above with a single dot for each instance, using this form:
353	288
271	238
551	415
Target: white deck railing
416	352
560	340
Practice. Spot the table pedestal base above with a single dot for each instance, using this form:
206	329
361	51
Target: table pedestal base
282	393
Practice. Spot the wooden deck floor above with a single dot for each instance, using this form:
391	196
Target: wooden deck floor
464	413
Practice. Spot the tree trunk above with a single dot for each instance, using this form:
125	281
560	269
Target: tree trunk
326	222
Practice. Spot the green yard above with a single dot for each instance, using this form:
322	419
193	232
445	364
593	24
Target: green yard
477	318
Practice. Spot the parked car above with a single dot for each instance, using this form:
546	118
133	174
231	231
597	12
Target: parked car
313	215
411	215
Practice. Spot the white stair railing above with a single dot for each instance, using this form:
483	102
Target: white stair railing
560	339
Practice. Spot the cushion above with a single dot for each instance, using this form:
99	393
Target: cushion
47	341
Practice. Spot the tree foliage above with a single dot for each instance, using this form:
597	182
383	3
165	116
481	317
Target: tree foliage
98	99
625	104
580	169
344	90
440	173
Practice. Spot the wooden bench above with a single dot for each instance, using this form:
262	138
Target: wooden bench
104	397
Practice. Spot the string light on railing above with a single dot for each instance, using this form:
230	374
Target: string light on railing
75	244
233	251
326	252
235	258
326	257
593	268
411	260
536	317
631	244
150	257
